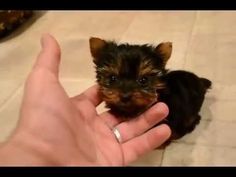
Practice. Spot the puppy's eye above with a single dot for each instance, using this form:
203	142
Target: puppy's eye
113	78
159	73
143	80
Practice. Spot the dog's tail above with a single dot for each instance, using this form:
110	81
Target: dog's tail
207	83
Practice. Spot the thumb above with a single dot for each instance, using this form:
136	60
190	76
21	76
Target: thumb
49	57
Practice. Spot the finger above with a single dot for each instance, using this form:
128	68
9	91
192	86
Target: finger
91	94
110	119
145	143
144	122
49	57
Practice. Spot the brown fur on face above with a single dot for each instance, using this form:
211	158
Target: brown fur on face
111	96
146	68
144	99
134	106
129	74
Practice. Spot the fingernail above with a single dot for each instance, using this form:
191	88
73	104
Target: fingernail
163	108
164	128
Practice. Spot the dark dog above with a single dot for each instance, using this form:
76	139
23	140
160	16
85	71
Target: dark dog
133	77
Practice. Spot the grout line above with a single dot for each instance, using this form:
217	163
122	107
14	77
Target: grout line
135	16
10	98
212	146
12	95
206	145
162	157
217	120
190	39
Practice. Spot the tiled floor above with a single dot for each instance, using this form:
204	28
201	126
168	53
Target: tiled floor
203	42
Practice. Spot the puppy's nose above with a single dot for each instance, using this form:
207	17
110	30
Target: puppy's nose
125	97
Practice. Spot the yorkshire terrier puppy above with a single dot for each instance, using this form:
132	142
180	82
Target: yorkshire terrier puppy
133	77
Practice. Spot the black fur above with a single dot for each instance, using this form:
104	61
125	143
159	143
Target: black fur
184	94
183	91
130	56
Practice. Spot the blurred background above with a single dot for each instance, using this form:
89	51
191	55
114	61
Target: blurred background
204	42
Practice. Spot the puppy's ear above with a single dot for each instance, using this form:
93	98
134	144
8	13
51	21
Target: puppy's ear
96	45
164	50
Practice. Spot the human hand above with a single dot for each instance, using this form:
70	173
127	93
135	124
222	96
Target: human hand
55	129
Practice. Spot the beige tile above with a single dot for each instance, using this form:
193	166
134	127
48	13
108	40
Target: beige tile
75	87
177	59
16	59
179	43
219	103
201	58
16	62
83	24
7	88
222	92
153	158
18	53
226	62
197	155
218	109
211	56
72	32
215	22
76	60
9	114
213	133
159	26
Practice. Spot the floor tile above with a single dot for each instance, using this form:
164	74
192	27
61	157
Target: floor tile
153	158
214	133
197	155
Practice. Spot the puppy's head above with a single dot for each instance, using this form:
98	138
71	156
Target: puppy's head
129	75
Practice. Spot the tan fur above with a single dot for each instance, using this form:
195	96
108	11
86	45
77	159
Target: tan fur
111	96
165	50
96	44
109	70
142	99
146	68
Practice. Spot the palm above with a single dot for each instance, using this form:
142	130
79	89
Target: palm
70	130
104	147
